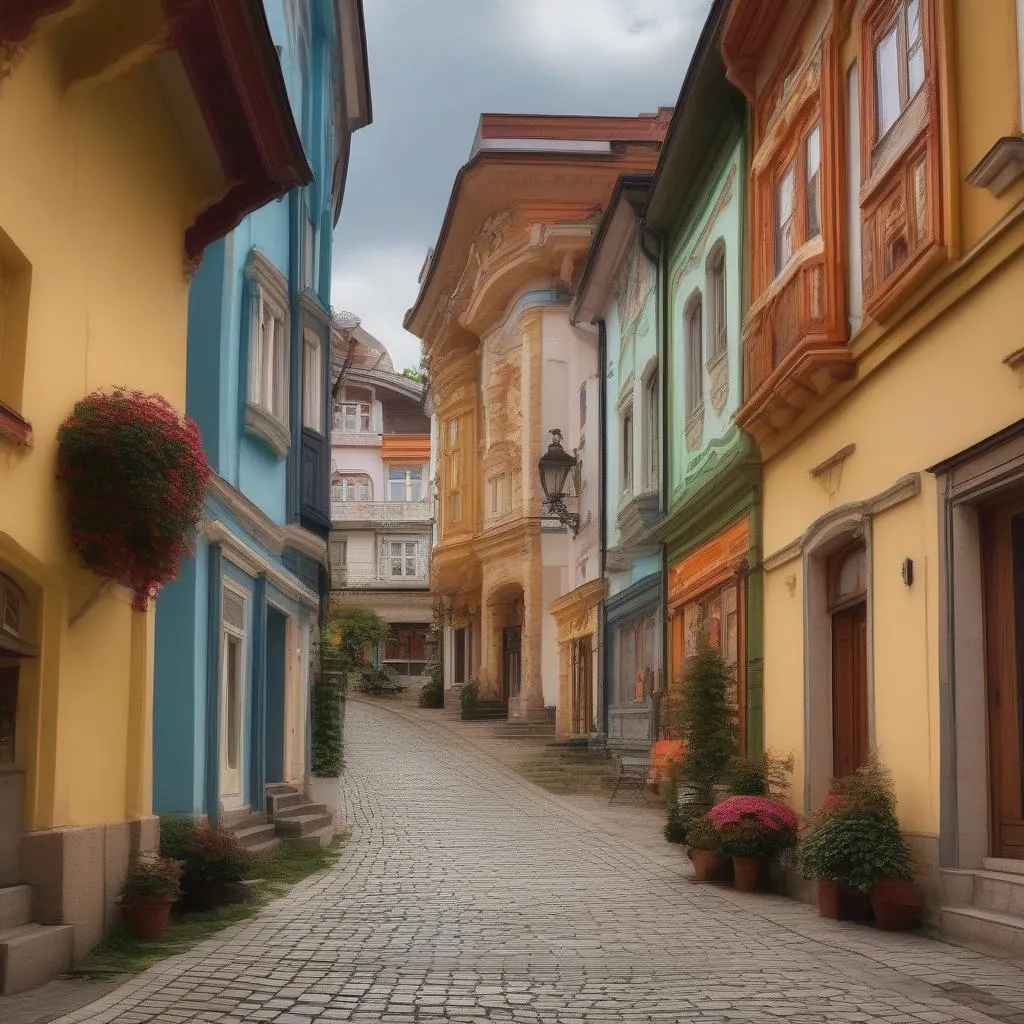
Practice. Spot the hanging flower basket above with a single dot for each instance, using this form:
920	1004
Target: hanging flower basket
133	474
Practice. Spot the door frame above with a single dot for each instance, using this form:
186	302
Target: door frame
506	688
228	777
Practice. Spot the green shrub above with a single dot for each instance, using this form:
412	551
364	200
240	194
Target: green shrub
469	697
680	820
764	775
702	835
151	877
432	692
207	854
378	679
708	722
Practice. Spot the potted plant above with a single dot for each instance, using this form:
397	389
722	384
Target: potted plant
214	862
152	887
854	846
705	851
753	831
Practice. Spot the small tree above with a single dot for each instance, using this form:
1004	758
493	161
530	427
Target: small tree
708	722
347	637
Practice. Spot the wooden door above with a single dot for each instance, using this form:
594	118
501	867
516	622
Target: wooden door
581	661
1003	568
850	735
512	664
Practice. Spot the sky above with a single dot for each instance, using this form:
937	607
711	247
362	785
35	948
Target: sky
435	66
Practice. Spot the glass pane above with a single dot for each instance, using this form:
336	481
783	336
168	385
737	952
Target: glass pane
396	490
396	566
887	81
410	566
784	204
915	69
812	148
913	22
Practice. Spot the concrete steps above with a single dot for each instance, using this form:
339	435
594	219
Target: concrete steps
30	954
985	906
296	820
567	767
254	832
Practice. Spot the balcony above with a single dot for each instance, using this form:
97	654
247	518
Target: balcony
383	513
356	438
377	575
794	350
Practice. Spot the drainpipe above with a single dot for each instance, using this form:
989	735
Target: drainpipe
652	245
602	512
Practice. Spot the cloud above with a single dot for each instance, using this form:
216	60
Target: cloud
596	32
378	285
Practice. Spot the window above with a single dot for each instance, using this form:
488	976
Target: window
354	418
405	649
268	373
351	487
583	406
785	218
453	433
812	196
312	383
405	484
899	64
627	451
695	354
651	431
639	654
718	323
452	472
308	247
713	618
233	626
403	560
339	555
460	645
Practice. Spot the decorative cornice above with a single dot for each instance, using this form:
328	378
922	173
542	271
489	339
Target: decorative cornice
254	563
583	598
300	539
266	426
259	268
1001	167
312	309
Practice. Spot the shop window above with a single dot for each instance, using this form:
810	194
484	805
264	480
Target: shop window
405	649
713	619
638	655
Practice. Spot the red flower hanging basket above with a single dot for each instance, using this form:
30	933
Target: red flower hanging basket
133	474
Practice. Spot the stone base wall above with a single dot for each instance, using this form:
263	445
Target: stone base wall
77	874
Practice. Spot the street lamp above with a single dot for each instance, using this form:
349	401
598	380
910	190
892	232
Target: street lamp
557	469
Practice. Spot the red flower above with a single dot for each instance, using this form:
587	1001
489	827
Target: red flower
757	811
133	473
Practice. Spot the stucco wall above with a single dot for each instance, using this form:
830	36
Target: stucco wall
945	390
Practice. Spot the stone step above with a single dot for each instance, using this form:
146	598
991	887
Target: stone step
302	825
1004	865
33	954
264	848
974	925
255	835
277	802
241	817
15	906
300	809
1000	891
279	788
322	837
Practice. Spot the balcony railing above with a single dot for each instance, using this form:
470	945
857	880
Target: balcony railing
382	512
366	575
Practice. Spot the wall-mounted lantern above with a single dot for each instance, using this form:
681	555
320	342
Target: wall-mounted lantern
560	478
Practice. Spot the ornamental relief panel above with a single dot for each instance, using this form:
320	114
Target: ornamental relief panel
634	288
698	253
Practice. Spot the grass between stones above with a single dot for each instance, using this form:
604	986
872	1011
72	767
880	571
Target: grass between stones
276	873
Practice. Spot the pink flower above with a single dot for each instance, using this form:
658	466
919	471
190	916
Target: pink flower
766	815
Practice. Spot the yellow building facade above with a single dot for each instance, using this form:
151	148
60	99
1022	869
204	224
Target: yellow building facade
883	383
112	184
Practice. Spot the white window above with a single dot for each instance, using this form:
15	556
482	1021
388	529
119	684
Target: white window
312	383
812	158
353	418
652	409
351	487
403	560
695	354
785	217
268	367
627	451
405	484
899	65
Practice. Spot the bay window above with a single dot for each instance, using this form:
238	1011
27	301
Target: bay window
797	199
312	383
652	431
899	64
268	367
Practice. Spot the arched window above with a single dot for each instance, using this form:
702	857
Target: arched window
694	320
351	487
718	333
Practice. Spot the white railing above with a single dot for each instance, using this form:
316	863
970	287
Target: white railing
356	439
354	575
382	512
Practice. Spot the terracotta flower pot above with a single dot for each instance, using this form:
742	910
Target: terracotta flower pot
148	919
746	873
897	905
839	903
710	866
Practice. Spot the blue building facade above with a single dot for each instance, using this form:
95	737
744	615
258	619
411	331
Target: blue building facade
234	632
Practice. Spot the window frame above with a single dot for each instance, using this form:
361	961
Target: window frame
718	305
240	635
344	480
627	433
890	16
652	430
409	482
411	552
693	326
312	382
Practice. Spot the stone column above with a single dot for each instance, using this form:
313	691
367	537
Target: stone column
532	702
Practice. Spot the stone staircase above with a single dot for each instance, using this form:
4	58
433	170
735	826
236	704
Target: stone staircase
985	906
31	954
296	820
254	831
569	767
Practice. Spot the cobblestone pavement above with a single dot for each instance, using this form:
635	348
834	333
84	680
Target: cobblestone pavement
466	894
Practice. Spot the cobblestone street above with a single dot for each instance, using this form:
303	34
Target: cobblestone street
467	894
